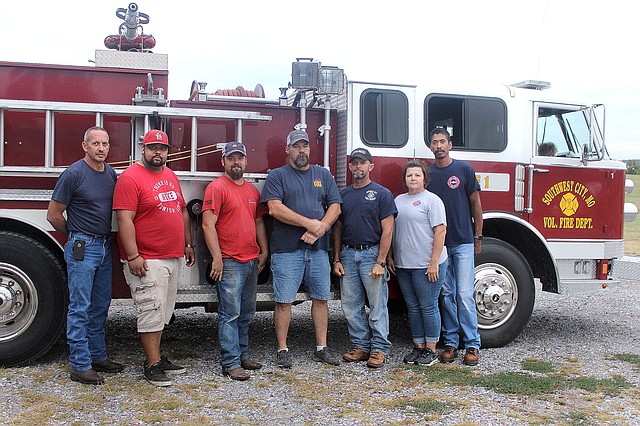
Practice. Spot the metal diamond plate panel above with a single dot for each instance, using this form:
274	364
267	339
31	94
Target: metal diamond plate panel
627	267
133	60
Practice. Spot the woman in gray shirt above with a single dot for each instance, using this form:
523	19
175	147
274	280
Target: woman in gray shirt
419	260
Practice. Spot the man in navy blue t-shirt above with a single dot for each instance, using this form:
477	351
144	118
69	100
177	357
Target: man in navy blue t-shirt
85	191
361	241
304	201
454	181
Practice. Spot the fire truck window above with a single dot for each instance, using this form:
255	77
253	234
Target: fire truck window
567	129
384	118
474	123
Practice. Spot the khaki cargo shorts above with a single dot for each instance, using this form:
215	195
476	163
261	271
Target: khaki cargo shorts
154	295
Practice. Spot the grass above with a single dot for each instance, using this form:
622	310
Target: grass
417	394
632	229
427	405
546	381
630	358
537	366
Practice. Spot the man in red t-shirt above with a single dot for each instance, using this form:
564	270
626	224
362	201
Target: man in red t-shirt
154	234
237	239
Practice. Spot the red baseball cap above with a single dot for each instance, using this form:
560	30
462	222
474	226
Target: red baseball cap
156	136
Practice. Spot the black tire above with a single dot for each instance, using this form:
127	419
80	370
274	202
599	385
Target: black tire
33	299
504	292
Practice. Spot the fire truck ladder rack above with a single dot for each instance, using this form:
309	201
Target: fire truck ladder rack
100	110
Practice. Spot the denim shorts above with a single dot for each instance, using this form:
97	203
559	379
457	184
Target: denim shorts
291	268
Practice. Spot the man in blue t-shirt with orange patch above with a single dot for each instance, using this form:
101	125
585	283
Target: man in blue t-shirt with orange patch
304	201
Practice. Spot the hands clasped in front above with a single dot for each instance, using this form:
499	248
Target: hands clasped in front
315	229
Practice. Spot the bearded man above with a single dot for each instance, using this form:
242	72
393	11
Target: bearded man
304	201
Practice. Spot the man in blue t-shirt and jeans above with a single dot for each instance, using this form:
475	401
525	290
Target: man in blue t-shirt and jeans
304	201
454	181
361	241
85	191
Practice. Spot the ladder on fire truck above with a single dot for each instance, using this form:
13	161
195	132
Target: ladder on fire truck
141	117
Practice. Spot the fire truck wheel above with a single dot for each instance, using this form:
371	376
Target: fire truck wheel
504	292
33	299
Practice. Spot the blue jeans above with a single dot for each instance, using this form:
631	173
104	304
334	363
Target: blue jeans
236	307
369	335
421	297
290	268
459	309
89	282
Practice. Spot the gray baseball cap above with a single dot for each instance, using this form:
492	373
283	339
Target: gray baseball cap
232	147
297	135
361	153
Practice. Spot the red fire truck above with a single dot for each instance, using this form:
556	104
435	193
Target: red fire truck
550	221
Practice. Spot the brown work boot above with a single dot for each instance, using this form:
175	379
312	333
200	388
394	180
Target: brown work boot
376	360
449	354
237	373
355	355
249	364
471	356
88	377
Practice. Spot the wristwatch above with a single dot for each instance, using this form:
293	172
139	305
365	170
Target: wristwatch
189	246
478	237
383	264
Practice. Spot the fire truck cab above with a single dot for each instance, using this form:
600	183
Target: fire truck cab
556	216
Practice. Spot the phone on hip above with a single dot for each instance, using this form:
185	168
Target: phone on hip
78	249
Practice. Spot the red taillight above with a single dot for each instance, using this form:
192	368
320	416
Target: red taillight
602	269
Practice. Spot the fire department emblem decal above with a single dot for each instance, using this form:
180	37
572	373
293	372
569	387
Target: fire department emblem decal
453	182
371	195
569	204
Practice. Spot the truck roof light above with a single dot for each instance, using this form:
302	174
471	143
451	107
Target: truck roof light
532	84
331	81
305	75
309	75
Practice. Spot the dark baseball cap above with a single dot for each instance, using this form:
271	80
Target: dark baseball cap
297	135
231	147
361	153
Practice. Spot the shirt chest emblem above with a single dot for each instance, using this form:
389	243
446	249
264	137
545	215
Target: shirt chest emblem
453	182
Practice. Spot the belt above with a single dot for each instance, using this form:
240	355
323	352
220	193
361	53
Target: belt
70	234
360	246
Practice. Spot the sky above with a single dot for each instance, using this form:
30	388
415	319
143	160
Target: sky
586	47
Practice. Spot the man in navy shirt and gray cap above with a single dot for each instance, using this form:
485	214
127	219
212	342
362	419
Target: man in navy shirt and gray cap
361	241
304	201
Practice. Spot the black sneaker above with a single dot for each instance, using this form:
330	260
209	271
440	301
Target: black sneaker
170	368
156	376
411	357
426	358
327	355
283	359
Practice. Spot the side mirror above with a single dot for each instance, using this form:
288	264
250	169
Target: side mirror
584	156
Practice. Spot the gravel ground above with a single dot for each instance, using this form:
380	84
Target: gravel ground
579	335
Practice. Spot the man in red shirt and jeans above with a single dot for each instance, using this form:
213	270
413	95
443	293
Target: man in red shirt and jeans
237	239
154	234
